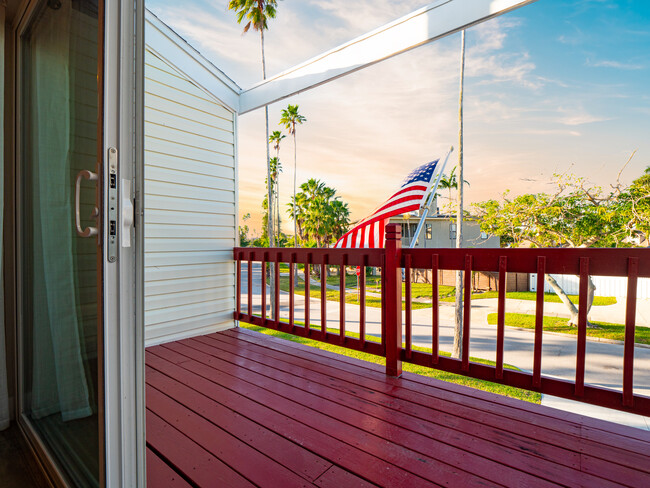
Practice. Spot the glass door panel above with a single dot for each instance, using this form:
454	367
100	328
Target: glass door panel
59	271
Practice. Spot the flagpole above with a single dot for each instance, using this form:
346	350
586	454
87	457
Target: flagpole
429	201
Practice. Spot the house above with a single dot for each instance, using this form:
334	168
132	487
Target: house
439	232
116	134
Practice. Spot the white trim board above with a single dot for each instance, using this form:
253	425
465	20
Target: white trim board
174	50
435	21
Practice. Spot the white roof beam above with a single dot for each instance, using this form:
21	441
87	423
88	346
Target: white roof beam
437	20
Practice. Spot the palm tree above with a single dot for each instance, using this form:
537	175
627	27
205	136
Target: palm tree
276	167
450	183
257	13
290	118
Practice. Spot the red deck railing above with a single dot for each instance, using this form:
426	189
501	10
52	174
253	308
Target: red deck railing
397	343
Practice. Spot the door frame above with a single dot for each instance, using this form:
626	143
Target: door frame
122	338
124	279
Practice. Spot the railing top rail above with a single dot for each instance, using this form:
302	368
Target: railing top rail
602	261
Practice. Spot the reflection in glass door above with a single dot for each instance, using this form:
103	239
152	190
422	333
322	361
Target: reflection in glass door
58	269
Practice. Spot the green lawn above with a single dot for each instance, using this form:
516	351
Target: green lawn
334	295
528	396
548	297
555	324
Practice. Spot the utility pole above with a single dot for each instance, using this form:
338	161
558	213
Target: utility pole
458	326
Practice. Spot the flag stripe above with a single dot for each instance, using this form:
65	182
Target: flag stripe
370	232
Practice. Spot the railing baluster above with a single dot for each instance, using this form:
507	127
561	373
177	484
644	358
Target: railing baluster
292	289
307	275
407	312
539	323
435	312
383	302
276	278
265	258
250	287
467	309
581	349
362	300
501	318
344	262
630	323
323	296
239	258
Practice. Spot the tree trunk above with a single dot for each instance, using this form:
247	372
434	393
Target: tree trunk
573	310
295	166
458	325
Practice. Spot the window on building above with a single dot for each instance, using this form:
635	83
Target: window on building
452	231
484	235
429	232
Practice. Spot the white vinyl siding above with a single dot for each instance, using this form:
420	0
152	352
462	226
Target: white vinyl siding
190	209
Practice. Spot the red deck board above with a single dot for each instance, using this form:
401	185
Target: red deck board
279	396
186	456
426	445
352	459
270	398
222	445
613	443
288	454
160	474
515	452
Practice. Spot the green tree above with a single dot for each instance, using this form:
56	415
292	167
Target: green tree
290	117
321	215
244	240
255	14
577	214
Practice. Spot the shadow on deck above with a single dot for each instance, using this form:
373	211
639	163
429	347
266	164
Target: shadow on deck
238	408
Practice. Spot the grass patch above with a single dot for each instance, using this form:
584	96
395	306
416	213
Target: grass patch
335	296
548	297
558	324
509	391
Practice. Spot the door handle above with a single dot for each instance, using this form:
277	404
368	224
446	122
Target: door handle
89	231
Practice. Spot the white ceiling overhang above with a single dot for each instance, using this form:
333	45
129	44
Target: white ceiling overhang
435	21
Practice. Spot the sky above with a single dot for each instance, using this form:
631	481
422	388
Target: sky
556	86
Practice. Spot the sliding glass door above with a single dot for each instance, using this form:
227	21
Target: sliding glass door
59	131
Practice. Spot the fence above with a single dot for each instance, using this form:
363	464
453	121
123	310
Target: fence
606	286
396	341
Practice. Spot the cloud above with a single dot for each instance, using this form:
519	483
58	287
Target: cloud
551	132
614	64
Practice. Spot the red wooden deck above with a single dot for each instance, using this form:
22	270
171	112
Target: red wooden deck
242	409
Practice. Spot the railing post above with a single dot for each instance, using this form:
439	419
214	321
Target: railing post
393	299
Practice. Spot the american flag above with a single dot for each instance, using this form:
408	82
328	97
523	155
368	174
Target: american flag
369	233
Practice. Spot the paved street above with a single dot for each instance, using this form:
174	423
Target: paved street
604	362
